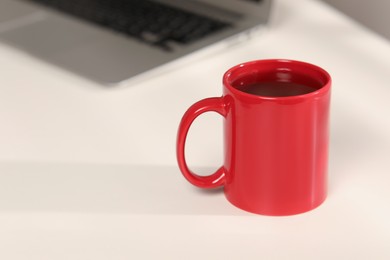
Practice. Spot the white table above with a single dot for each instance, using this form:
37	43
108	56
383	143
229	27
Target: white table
89	172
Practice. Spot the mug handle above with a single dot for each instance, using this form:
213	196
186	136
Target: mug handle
216	179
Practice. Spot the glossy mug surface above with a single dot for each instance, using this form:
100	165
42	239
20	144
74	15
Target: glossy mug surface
276	131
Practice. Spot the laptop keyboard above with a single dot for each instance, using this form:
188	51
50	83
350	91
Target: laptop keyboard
149	21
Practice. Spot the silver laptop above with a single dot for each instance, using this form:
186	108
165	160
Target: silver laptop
111	41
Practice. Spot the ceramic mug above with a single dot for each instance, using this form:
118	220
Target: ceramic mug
276	131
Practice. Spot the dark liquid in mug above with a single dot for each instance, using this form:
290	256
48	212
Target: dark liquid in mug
276	89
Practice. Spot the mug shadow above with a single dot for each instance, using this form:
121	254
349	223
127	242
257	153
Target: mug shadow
209	192
105	189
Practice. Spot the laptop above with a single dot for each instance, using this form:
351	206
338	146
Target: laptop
113	41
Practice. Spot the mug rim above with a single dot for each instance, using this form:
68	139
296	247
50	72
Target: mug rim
323	89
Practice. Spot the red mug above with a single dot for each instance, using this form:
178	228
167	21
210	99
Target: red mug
276	131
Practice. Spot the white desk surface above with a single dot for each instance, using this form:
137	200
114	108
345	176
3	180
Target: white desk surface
89	172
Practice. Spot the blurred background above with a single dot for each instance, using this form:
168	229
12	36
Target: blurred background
374	14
